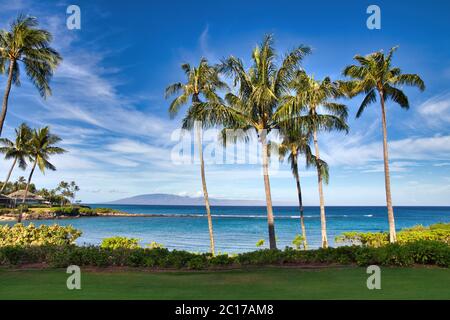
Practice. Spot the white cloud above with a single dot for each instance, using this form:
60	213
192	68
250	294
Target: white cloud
436	110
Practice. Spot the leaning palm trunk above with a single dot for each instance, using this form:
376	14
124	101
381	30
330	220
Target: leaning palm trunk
6	96
9	174
19	220
323	221
300	204
205	190
270	219
387	178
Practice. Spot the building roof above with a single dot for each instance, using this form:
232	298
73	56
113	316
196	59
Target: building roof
21	193
4	197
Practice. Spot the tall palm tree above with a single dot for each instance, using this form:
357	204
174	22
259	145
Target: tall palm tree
42	146
296	143
320	114
251	110
17	150
201	82
375	75
25	44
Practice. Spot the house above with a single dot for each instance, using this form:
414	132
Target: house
6	201
17	198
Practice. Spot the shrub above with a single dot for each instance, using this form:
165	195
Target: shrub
120	242
419	252
20	235
86	211
66	211
155	245
437	232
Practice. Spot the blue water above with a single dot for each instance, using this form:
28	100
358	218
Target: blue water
237	229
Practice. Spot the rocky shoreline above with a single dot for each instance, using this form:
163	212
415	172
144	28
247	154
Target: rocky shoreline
49	215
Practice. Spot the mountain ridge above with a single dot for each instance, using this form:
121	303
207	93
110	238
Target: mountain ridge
172	199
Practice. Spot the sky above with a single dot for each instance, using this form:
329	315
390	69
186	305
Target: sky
108	96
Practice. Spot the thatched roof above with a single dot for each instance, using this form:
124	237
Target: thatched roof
20	193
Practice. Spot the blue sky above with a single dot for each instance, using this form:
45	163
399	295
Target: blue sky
108	103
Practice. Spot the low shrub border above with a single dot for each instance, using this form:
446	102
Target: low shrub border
419	252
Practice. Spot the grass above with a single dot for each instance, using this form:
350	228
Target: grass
265	283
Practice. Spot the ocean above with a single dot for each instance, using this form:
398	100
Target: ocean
238	229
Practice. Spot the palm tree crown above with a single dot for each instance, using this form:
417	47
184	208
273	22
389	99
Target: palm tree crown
375	73
19	148
201	81
42	146
25	44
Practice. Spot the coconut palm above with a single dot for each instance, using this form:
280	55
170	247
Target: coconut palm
201	82
17	150
296	143
27	45
42	146
251	110
374	75
318	113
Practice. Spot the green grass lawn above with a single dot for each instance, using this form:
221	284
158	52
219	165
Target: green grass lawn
266	283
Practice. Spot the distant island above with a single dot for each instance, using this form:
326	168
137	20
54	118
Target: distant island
176	200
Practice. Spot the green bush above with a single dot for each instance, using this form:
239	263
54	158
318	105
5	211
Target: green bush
120	242
87	211
420	252
20	235
437	232
66	211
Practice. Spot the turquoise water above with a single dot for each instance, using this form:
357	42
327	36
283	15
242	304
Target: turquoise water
237	229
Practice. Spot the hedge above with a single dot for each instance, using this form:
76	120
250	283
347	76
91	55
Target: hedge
419	252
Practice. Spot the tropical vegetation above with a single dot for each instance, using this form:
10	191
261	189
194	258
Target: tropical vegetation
375	76
202	81
24	44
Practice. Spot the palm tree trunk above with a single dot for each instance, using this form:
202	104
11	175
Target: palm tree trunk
300	203
19	220
387	178
270	219
6	96
323	221
205	190
9	174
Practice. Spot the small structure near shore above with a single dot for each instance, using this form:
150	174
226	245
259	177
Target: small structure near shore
32	199
6	201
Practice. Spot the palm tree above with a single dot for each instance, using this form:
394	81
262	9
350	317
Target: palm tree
25	44
296	143
252	108
202	81
17	150
375	75
42	146
314	97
